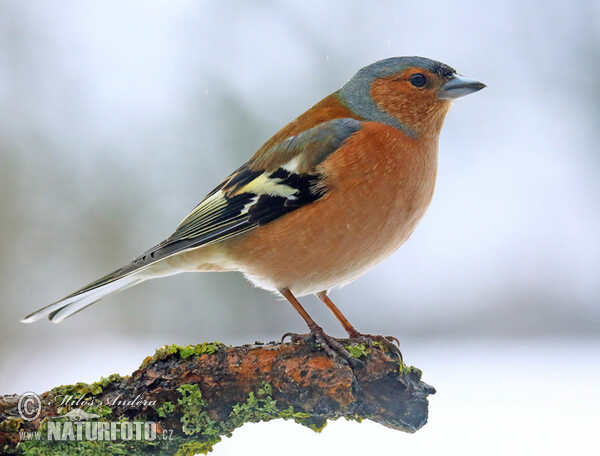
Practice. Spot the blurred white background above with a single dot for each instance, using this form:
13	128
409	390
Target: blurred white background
118	117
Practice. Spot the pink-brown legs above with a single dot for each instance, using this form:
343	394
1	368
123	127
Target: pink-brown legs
388	341
352	332
331	346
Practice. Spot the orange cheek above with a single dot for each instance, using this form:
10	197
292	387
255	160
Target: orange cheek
402	101
419	109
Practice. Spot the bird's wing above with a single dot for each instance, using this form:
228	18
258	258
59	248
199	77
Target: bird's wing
281	180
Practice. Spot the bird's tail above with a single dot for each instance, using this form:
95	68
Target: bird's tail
149	265
88	295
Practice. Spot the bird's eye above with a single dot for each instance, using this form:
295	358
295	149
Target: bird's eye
418	80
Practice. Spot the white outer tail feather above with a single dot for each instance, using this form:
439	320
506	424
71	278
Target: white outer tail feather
66	307
69	306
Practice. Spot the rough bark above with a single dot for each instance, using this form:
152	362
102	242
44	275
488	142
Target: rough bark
196	394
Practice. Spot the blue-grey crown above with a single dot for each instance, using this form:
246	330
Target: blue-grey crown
356	93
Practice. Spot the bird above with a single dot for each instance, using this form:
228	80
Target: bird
331	195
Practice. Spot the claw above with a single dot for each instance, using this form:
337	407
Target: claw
328	344
393	339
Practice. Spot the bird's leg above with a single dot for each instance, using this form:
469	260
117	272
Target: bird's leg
331	346
388	341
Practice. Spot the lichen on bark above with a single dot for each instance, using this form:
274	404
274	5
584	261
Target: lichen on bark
195	395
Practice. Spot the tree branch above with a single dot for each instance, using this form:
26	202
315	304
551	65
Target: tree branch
184	399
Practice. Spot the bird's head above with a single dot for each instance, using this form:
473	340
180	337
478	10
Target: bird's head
410	93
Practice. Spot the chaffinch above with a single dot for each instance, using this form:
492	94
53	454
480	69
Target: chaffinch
331	195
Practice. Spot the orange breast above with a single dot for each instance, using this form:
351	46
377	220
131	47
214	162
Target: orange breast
379	185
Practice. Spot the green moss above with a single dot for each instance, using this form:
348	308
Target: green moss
83	389
262	407
378	344
192	448
199	349
71	390
405	369
259	406
165	409
104	448
175	445
80	448
194	420
358	419
11	425
358	350
97	387
104	411
183	352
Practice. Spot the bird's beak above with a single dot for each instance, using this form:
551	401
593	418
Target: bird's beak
459	86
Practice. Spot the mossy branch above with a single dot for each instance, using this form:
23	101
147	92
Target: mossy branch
184	399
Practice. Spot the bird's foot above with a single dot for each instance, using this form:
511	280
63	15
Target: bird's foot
390	343
330	346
